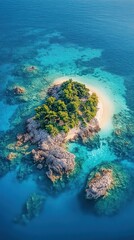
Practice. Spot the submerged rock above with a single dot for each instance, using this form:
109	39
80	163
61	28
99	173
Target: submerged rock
89	131
15	90
31	209
23	172
4	166
31	68
11	156
18	90
15	94
26	70
99	185
121	141
40	166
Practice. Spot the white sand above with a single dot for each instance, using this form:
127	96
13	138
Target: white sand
105	105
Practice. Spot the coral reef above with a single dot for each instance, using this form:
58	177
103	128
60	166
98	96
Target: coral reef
4	167
14	90
122	137
23	172
31	209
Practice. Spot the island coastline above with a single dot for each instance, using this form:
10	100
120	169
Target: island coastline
105	105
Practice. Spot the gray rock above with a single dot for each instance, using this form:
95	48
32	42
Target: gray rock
39	166
59	162
99	185
51	150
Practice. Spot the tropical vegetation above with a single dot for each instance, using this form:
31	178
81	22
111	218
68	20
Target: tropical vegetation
73	106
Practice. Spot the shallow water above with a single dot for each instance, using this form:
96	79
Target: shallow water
92	40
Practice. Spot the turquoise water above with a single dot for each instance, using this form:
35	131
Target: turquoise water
90	40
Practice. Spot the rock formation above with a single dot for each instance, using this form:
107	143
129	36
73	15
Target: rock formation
31	68
99	185
11	156
18	90
50	152
109	186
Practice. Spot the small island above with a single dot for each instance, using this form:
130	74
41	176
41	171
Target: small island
68	114
108	188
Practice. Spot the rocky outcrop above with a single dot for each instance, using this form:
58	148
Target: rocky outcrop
54	91
99	184
22	138
90	130
59	162
50	153
18	90
31	68
11	156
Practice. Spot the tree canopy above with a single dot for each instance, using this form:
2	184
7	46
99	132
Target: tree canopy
73	106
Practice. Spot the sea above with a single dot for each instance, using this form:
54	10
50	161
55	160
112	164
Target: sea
89	39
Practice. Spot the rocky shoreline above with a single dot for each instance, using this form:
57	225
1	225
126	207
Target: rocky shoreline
51	153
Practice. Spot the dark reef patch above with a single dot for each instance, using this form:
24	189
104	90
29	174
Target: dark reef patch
31	208
122	141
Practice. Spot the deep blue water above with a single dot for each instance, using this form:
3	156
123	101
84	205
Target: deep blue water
55	35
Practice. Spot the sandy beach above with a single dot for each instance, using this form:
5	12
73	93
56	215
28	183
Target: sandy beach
105	105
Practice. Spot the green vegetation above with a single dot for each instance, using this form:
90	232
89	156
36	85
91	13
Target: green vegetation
74	105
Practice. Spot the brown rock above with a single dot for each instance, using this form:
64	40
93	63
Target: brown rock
11	156
18	90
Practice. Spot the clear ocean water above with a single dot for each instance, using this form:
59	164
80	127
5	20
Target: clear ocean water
93	40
